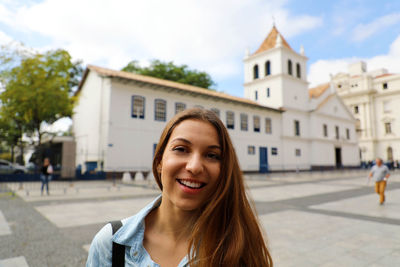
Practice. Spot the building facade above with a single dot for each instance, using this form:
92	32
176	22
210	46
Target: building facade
278	125
373	97
318	130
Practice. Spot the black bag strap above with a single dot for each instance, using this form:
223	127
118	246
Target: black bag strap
118	250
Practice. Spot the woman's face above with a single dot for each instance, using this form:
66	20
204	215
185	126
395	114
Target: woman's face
190	165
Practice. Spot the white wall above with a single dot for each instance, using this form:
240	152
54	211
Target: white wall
89	113
130	140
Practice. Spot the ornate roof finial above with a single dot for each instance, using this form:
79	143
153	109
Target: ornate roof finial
302	50
279	42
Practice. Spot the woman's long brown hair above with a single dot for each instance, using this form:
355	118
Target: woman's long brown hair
227	232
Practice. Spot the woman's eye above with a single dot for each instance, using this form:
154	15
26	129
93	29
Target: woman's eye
214	156
179	149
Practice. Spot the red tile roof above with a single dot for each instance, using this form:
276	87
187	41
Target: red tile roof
170	84
270	41
317	91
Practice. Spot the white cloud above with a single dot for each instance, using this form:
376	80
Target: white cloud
363	31
4	38
320	71
206	35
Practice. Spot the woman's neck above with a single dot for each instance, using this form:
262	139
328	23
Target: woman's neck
172	221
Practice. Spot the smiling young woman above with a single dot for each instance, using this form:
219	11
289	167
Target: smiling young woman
203	217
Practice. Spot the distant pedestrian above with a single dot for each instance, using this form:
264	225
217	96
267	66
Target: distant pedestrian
380	173
45	175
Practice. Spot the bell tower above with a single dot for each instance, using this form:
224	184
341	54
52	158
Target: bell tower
275	74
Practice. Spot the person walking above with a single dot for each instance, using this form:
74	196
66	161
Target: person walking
380	173
45	175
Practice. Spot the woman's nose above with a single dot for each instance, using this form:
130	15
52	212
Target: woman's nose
195	164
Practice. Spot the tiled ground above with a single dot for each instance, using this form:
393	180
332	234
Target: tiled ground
319	219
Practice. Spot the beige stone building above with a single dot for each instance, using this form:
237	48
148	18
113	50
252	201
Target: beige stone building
374	99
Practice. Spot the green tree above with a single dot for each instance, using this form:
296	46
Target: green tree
169	71
10	133
37	88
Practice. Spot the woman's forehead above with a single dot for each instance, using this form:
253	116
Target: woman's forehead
195	129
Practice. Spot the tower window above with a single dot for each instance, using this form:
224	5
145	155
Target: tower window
256	95
356	110
348	134
268	92
384	86
267	68
255	72
298	70
337	132
297	128
325	130
290	67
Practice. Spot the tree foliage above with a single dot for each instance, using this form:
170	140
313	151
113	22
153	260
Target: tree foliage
169	71
37	88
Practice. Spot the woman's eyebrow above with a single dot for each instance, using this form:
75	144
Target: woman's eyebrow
180	139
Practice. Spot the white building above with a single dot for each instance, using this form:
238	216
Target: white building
279	125
374	99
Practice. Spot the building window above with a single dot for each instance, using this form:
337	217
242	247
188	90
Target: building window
388	127
348	134
384	86
390	153
325	130
256	95
267	68
230	120
255	72
386	106
256	123
297	128
268	92
298	152
356	110
298	70
358	126
216	111
289	67
160	110
251	150
268	126
137	107
274	151
179	107
243	122
337	132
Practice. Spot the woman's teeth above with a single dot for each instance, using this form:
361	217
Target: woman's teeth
190	184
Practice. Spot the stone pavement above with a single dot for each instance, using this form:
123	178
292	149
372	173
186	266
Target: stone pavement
310	219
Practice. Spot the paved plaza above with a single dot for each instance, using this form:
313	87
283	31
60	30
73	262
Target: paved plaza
310	219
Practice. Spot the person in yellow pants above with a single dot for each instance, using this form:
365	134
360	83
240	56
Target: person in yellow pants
380	173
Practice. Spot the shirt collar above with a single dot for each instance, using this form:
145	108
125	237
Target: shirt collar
132	231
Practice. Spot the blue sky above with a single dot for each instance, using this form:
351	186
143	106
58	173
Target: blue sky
209	35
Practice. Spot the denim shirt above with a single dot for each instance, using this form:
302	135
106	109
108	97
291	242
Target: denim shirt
130	235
